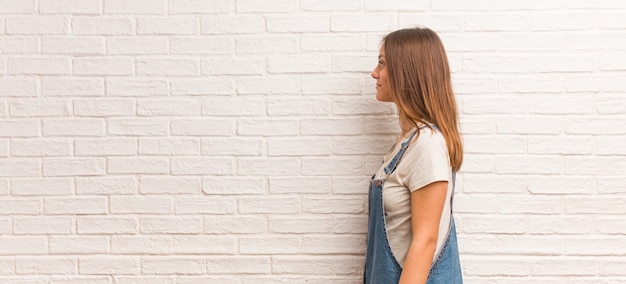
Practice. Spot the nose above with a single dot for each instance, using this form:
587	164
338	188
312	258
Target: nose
374	73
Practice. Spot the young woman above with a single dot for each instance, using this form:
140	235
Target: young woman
411	233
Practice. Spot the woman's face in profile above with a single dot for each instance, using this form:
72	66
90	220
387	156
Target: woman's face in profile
383	90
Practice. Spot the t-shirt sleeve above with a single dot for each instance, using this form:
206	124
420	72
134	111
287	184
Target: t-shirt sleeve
426	161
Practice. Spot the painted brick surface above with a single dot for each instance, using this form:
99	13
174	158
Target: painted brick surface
223	141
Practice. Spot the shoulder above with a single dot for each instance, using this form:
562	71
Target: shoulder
429	140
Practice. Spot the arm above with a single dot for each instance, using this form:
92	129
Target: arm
426	207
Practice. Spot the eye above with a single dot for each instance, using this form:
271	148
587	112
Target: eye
381	63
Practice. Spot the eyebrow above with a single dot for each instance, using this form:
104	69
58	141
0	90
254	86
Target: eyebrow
381	56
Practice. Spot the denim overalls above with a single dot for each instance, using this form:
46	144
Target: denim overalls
381	267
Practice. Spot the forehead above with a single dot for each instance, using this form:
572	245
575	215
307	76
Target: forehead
381	52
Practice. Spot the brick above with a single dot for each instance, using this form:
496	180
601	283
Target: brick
40	108
501	144
207	280
483	266
141	244
106	225
6	228
205	205
167	67
207	86
436	22
80	280
562	64
204	245
72	87
480	183
268	127
593	205
332	244
108	265
7	266
201	166
362	23
25	167
141	205
233	66
75	205
300	225
145	45
19	45
202	45
40	147
405	5
171	225
21	207
18	87
80	45
199	7
91	7
18	6
145	279
26	280
234	224
494	225
60	167
345	126
349	185
330	5
4	187
308	24
22	245
263	44
244	24
275	205
138	127
552	21
531	5
137	165
529	42
361	106
316	265
546	225
47	265
495	64
574	145
562	266
610	146
141	7
202	127
332	166
337	205
43	226
515	244
260	6
169	146
297	106
268	86
511	204
103	66
109	26
268	166
104	107
38	187
298	64
331	42
169	185
351	63
105	147
595	126
172	265
232	146
73	127
167	26
106	185
272	244
609	184
530	125
41	25
169	107
234	185
237	265
39	66
136	88
78	244
301	146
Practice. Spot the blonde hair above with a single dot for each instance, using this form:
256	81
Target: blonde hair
421	86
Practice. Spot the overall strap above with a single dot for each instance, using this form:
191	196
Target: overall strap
393	164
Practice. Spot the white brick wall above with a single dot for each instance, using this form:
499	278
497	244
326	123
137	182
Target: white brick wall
223	141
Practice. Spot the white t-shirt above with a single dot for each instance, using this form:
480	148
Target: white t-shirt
425	161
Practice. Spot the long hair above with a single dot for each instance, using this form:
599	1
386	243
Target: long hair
421	87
